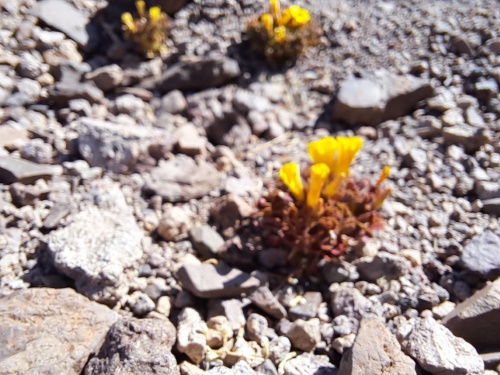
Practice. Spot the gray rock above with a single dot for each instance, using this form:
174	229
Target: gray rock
18	170
174	224
246	101
491	206
209	281
107	77
181	179
477	319
377	97
206	240
487	189
264	299
136	346
305	334
62	92
279	347
174	102
438	351
470	137
41	326
189	142
384	265
37	151
190	339
95	256
310	364
11	137
375	351
309	309
482	255
117	147
194	75
256	327
493	45
58	212
70	72
350	302
240	368
230	210
140	303
232	309
64	17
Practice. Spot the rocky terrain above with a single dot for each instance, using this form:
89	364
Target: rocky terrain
127	185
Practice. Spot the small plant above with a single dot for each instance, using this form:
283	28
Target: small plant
326	216
149	31
282	36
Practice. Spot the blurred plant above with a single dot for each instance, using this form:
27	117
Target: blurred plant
333	211
282	36
149	31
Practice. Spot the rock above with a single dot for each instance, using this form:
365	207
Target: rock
350	302
246	101
487	190
209	281
164	305
39	329
437	351
174	224
474	118
187	368
308	309
195	75
18	170
476	319
37	151
341	344
190	340
305	334
140	303
58	212
240	368
491	206
64	17
174	102
11	137
375	351
62	92
23	195
482	255
107	77
384	265
309	364
378	97
493	45
232	309
70	72
136	346
470	137
206	241
189	142
117	147
230	210
181	179
256	327
96	256
428	127
279	347
263	298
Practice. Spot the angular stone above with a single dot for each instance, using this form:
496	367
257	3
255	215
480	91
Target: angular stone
58	212
206	240
189	142
470	137
136	346
488	190
181	179
50	331
12	137
350	302
64	17
438	351
477	319
384	265
95	256
375	351
107	77
491	206
19	170
195	75
378	97
264	298
305	334
62	92
174	102
190	339
209	281
310	364
117	147
308	309
482	255
232	309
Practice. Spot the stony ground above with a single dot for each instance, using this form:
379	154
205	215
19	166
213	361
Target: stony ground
127	184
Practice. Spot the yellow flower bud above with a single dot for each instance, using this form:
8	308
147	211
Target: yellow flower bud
319	174
154	14
128	21
332	187
323	151
267	21
347	149
383	176
290	175
276	10
280	34
299	16
141	8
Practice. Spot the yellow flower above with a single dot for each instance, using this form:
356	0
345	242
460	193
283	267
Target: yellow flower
267	21
383	176
298	15
154	14
347	149
128	21
319	174
323	151
333	186
141	8
280	34
290	175
276	10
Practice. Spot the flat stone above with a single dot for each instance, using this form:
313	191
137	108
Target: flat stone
96	256
190	339
181	179
58	212
310	364
232	309
477	319
209	281
264	299
491	206
136	346
438	351
62	92
375	351
305	334
64	17
384	265
195	75
12	137
378	97
470	137
50	331
19	170
107	77
309	309
189	142
482	255
350	302
206	240
174	102
487	190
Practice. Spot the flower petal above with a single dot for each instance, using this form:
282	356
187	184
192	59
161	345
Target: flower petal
319	174
290	175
